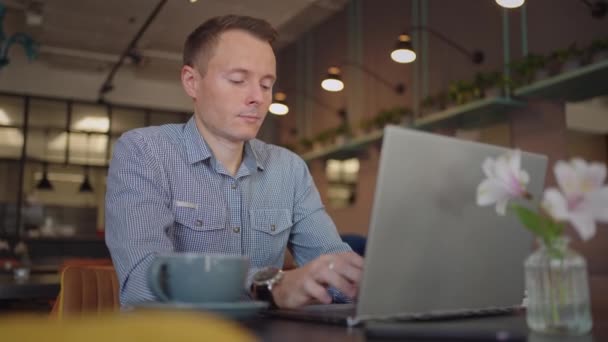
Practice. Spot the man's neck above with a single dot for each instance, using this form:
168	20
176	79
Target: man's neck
228	153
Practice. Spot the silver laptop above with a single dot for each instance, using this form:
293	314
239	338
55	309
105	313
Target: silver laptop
431	251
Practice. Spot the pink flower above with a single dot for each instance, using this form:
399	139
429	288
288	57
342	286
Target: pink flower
583	198
505	181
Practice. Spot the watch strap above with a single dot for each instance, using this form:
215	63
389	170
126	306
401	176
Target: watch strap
263	290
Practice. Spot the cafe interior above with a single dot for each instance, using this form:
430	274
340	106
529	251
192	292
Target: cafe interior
76	75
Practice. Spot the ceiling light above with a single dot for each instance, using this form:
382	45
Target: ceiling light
333	82
33	13
404	53
278	106
92	124
4	119
44	183
33	18
86	184
510	3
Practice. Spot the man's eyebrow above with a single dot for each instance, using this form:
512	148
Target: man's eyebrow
245	71
238	70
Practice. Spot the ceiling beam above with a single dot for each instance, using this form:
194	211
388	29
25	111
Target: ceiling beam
107	86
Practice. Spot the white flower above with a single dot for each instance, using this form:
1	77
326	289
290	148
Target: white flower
505	181
583	198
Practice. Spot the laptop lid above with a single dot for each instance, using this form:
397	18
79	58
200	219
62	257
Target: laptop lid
430	247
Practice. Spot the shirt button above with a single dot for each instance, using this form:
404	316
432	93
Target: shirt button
273	227
236	229
199	223
233	186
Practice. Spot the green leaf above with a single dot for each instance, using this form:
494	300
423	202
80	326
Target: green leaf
532	220
554	230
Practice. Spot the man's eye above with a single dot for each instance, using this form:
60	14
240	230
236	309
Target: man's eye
266	87
237	81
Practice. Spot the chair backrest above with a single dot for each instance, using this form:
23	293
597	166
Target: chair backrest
356	242
85	262
87	289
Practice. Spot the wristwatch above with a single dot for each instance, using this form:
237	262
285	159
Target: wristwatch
263	282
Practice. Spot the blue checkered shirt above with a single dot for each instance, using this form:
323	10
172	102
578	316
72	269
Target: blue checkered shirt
166	192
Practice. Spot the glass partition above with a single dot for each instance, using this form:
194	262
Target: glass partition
65	142
11	111
88	148
126	119
90	118
162	118
48	114
11	123
9	191
46	144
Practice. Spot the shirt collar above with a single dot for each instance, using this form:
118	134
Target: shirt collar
196	147
251	156
198	150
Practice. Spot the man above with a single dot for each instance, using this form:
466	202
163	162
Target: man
209	186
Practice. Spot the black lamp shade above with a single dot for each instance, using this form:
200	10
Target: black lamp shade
404	45
44	183
86	185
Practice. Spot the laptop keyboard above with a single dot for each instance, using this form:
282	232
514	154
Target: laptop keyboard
331	313
345	313
438	315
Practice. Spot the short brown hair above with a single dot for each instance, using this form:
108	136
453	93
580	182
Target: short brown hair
203	39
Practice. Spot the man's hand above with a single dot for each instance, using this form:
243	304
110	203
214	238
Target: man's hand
308	284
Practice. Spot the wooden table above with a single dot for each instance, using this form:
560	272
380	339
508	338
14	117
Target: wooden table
37	286
294	331
285	330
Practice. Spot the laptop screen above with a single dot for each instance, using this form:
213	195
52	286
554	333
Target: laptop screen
430	247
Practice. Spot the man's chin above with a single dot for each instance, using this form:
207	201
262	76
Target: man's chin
245	136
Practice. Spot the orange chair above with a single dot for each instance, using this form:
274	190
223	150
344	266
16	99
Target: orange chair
85	262
87	289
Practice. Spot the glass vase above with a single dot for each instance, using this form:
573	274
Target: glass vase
557	290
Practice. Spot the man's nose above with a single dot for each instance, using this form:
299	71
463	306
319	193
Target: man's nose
255	95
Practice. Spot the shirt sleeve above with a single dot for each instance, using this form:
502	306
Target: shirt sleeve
138	215
314	232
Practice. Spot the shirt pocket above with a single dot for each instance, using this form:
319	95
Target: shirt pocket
201	218
272	222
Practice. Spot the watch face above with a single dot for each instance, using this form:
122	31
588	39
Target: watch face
265	274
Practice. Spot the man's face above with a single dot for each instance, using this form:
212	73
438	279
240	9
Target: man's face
232	97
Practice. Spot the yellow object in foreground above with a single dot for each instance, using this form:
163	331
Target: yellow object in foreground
148	326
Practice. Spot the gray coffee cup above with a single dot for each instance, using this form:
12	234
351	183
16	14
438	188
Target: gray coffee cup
198	278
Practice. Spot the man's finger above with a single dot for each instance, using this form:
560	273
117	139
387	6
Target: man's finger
315	291
352	258
330	277
351	273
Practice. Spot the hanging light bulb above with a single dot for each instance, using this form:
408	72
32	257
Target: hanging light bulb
333	81
404	52
86	183
510	3
278	106
44	183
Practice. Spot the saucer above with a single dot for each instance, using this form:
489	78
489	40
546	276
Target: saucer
242	309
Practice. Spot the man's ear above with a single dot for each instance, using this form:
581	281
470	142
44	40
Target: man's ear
190	80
